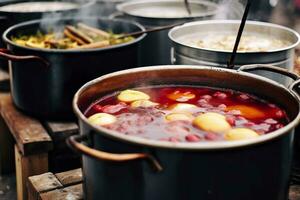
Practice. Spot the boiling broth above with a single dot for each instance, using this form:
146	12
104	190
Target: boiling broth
186	114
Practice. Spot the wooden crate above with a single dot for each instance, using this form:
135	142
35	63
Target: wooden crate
39	146
62	186
49	186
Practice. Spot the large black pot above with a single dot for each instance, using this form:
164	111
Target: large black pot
47	90
8	19
255	169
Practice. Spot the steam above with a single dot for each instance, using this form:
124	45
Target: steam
230	9
86	9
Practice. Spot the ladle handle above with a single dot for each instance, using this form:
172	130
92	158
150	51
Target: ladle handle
7	55
75	143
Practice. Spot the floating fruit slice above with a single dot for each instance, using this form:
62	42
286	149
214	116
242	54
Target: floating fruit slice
179	117
132	95
212	122
247	111
240	134
181	96
143	103
182	107
102	119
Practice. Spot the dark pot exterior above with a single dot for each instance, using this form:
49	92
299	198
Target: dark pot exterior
258	172
47	91
9	19
248	170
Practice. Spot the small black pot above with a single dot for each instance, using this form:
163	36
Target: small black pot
256	169
43	84
8	19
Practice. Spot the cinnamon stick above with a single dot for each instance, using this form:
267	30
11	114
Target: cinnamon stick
94	30
94	45
72	37
79	34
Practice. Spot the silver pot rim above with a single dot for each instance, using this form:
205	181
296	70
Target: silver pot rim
258	23
211	145
123	8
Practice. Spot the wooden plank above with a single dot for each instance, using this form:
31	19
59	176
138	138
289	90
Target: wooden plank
6	149
70	177
28	166
60	131
74	192
41	183
30	135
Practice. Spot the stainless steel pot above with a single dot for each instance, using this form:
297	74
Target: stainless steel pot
44	81
152	13
251	169
184	53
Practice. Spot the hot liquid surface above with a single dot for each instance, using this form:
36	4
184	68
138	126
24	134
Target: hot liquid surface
174	116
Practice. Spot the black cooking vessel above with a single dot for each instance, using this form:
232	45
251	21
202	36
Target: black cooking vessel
8	19
139	169
43	84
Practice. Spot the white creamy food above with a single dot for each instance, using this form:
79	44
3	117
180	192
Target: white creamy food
38	7
225	42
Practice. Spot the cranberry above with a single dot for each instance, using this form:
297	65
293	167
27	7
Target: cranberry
279	114
211	136
192	138
206	97
97	108
222	106
271	121
230	120
271	105
244	97
202	101
278	126
111	109
220	95
249	124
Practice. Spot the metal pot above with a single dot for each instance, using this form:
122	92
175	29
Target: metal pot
8	19
251	169
184	53
150	13
47	91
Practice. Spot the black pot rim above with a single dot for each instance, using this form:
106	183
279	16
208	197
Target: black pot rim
211	145
83	4
61	51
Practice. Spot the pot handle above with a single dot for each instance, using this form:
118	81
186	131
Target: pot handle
292	87
74	143
6	54
270	68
